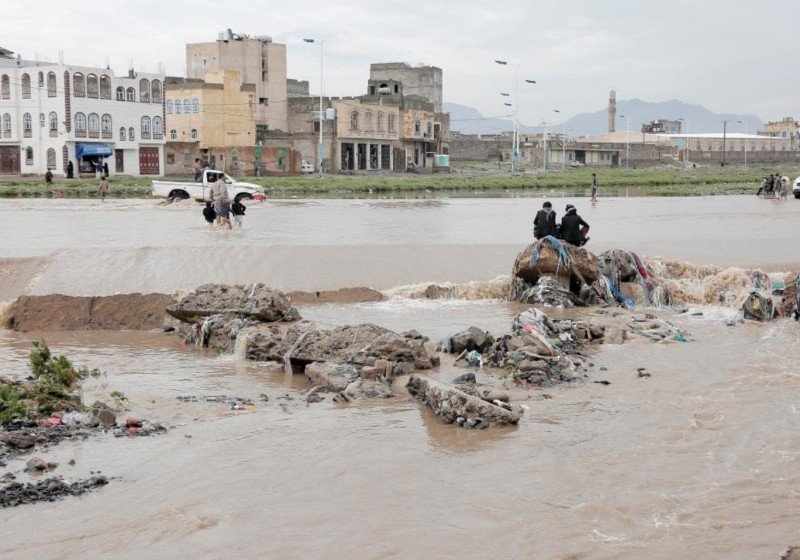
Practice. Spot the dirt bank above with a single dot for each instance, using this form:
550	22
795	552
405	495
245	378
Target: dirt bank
131	312
344	295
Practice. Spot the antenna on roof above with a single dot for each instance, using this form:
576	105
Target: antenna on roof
108	62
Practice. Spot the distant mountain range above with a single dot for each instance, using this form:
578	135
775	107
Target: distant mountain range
468	120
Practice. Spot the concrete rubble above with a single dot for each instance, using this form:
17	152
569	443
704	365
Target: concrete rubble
252	301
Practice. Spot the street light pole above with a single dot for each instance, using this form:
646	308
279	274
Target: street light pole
627	141
515	139
724	141
321	59
563	141
745	142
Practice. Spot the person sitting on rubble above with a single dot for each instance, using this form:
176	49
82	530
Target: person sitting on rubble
545	222
573	228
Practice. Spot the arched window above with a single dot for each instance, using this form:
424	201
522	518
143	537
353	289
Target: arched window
26	86
80	125
53	124
131	94
177	106
145	127
158	128
354	120
94	125
391	123
42	120
78	85
51	158
417	127
380	122
105	87
131	134
155	87
429	128
144	90
51	84
194	134
92	86
120	93
169	106
5	87
28	156
195	105
122	134
186	106
6	125
41	80
105	126
368	121
173	134
27	125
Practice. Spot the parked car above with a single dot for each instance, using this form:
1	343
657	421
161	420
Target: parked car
796	188
576	163
202	191
306	167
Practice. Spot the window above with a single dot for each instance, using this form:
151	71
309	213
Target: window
41	80
187	108
80	125
169	106
78	85
194	63
51	84
5	87
368	121
28	156
155	88
122	134
92	87
27	125
26	86
177	106
195	105
145	127
204	63
131	134
417	128
144	90
264	68
105	87
131	94
391	123
42	120
120	93
263	101
194	134
51	158
429	128
6	125
173	134
105	122
53	123
380	122
354	120
94	125
158	128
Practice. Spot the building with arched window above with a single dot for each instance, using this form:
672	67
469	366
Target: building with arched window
65	113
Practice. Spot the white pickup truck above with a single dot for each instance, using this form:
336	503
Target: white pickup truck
202	191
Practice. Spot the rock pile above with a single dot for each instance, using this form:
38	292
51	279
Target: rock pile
47	490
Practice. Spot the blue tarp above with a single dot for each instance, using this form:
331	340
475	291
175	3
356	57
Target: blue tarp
82	150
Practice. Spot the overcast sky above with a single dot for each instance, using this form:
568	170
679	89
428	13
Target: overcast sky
728	55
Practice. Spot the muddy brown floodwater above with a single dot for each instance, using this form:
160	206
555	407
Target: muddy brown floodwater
701	460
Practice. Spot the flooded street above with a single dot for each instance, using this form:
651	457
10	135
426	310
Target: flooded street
701	460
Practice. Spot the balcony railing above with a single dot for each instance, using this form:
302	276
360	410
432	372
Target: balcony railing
107	135
6	96
144	98
28	134
51	93
6	134
53	133
26	95
157	100
80	94
145	136
158	136
94	134
92	95
80	134
105	95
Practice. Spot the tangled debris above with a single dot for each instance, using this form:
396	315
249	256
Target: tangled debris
47	490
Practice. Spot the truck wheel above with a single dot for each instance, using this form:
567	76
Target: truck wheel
178	195
797	194
243	196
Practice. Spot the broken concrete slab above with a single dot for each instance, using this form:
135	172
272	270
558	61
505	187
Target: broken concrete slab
256	301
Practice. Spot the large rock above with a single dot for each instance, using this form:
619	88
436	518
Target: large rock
216	331
455	406
790	293
356	344
332	376
134	312
471	339
256	301
259	343
582	264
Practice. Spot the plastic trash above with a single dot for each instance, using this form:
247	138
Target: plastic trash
76	419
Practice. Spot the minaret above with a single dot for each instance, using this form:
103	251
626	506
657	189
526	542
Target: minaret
612	111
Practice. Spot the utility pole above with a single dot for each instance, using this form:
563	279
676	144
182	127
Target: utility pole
321	116
745	142
724	140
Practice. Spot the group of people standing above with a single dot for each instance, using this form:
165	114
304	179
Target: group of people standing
775	184
220	209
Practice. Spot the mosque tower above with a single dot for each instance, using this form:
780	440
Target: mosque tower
612	111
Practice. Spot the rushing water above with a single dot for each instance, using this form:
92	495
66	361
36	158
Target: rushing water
701	460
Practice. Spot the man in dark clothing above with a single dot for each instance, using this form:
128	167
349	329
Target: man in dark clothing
545	222
209	213
105	169
48	177
573	228
70	171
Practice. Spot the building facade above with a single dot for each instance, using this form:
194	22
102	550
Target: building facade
662	126
259	61
401	78
53	114
367	135
784	128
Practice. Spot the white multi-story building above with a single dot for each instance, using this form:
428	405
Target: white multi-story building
53	114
